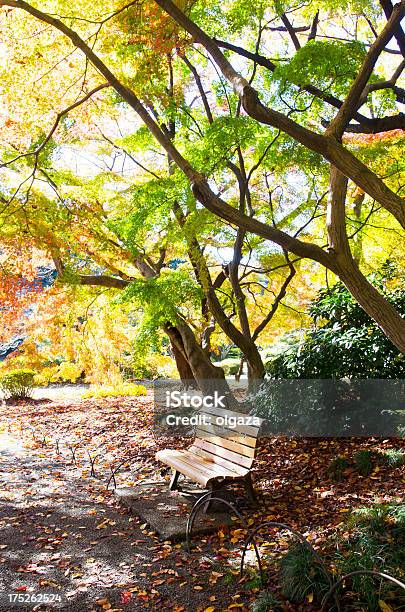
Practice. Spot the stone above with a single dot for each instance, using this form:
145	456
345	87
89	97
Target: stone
166	512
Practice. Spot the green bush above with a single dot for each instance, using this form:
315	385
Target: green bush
300	575
17	384
343	340
363	462
336	468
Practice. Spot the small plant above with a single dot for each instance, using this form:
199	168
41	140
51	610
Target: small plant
376	542
17	384
121	390
336	468
266	602
373	520
300	575
363	462
394	457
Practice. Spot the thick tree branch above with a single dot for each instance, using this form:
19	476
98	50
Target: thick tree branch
314	27
375	126
291	31
349	106
336	214
102	280
309	88
399	33
328	146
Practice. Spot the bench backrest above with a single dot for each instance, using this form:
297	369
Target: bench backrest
226	438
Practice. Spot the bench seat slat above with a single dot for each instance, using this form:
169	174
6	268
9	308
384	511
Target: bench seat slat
194	459
219	460
220	451
195	467
229	434
223	440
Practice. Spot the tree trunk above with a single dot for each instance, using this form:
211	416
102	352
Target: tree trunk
183	366
374	304
198	362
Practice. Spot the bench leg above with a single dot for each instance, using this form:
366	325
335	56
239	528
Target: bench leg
250	492
173	483
211	488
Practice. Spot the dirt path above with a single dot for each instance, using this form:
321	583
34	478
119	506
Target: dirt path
62	535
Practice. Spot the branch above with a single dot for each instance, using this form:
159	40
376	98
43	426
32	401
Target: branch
336	214
314	27
309	88
399	33
284	29
59	117
375	126
349	106
131	157
291	31
103	281
328	146
281	295
200	88
389	84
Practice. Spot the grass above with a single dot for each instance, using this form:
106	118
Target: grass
376	542
394	457
300	575
364	462
121	390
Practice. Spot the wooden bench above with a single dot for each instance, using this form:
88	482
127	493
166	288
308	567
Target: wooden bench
219	453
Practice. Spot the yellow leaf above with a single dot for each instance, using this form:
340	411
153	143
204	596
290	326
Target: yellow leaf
209	609
384	606
310	597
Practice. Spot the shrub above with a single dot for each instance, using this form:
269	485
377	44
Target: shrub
153	366
320	407
363	462
376	542
64	372
393	457
230	365
266	602
300	576
69	372
343	340
18	384
336	468
120	390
